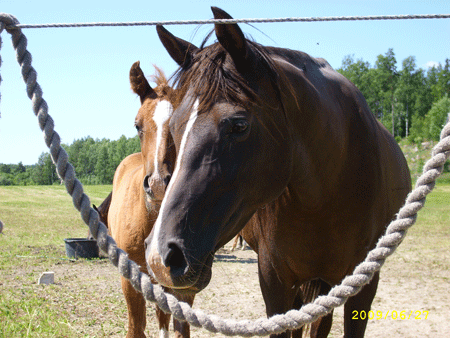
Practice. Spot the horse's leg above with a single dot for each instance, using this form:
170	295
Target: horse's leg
355	328
163	322
278	297
298	303
136	310
244	244
308	293
236	240
183	329
322	326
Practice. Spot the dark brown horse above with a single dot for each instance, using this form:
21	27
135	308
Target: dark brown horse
138	188
277	139
102	210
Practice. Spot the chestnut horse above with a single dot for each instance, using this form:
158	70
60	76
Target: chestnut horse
138	188
277	138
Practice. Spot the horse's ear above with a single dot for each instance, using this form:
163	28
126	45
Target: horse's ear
231	38
139	83
180	50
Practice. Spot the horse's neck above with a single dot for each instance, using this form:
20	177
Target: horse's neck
128	185
317	128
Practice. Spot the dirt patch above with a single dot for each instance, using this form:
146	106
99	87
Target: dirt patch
88	293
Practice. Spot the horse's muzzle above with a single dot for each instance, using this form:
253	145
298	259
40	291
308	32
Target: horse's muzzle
173	269
155	188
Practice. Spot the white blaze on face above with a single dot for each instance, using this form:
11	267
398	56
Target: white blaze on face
163	112
157	226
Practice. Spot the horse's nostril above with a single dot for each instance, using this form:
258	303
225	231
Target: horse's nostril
146	183
175	260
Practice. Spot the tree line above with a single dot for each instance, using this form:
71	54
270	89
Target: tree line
94	161
412	103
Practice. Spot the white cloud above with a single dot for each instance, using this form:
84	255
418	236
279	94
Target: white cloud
431	64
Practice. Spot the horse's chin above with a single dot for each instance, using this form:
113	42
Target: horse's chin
194	283
204	276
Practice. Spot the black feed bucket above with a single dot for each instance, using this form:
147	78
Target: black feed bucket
81	248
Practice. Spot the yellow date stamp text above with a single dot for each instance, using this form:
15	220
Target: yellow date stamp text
395	315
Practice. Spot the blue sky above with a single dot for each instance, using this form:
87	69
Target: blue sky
84	72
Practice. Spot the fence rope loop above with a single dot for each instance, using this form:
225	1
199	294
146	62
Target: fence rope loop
293	319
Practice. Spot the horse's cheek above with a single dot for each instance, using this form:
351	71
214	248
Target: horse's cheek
273	172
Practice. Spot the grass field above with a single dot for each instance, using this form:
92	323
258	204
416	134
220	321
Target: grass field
86	299
36	220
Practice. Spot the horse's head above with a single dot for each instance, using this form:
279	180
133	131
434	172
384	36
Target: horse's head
152	124
233	154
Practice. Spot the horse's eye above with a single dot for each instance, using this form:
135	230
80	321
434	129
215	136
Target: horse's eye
138	129
239	126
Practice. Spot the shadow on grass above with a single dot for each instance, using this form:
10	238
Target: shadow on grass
233	259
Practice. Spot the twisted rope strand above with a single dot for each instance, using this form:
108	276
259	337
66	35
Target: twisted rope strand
60	158
231	21
293	319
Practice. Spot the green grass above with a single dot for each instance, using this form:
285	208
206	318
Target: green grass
417	155
38	218
36	221
28	314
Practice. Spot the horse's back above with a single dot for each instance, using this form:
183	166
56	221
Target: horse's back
128	164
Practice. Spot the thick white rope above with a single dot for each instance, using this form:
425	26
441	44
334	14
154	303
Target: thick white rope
293	319
231	21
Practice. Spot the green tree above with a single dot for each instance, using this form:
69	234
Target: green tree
443	85
6	179
354	71
44	173
386	77
423	94
432	82
20	168
436	118
133	145
102	168
363	76
400	99
5	168
120	150
409	81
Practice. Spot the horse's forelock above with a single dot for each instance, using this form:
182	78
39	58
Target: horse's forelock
212	77
163	88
